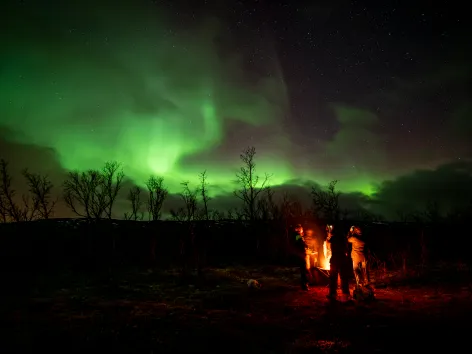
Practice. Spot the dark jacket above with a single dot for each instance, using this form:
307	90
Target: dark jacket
300	245
338	245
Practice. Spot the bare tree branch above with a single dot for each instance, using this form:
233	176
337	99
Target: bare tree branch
326	202
249	183
9	208
267	208
204	194
5	191
29	211
189	211
92	194
83	195
134	197
112	181
40	188
433	212
157	195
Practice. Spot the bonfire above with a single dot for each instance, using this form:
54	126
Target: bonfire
327	255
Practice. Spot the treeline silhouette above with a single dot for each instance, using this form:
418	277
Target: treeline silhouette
89	246
197	235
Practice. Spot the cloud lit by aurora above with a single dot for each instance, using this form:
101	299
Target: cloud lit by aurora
149	95
146	101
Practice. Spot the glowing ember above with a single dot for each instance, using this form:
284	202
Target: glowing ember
327	255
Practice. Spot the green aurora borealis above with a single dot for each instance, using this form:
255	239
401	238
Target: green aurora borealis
150	96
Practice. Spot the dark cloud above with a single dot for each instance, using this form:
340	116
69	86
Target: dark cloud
298	191
449	185
356	142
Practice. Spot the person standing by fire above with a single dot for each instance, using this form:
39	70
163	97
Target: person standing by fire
311	255
339	263
301	254
359	259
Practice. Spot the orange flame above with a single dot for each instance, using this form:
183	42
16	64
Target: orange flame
327	255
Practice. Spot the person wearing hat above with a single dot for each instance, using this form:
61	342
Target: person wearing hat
359	260
363	290
301	248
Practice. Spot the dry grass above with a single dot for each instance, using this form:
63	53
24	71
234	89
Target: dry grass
154	311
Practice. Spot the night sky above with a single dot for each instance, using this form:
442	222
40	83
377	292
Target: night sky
375	94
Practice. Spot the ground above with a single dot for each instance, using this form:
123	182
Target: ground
154	311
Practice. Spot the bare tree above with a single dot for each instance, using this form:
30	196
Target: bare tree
291	209
459	213
326	202
92	194
263	212
83	193
239	214
204	194
250	184
29	210
267	207
402	215
157	195
285	207
9	208
189	211
134	196
188	214
178	214
217	215
286	215
274	208
3	209
231	214
432	213
5	191
112	179
367	216
40	188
